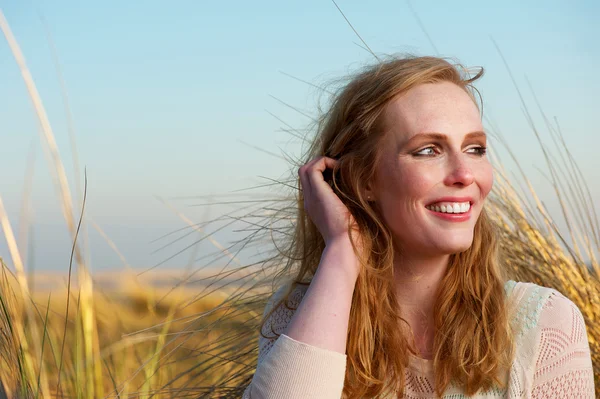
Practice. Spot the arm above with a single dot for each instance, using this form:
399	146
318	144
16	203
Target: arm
564	364
322	318
308	360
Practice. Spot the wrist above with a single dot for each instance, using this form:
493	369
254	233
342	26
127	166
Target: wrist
342	256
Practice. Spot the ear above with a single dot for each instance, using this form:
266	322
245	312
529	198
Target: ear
369	192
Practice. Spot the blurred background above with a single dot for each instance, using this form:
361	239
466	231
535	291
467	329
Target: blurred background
188	101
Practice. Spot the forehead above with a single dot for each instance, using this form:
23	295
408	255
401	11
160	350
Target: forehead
436	107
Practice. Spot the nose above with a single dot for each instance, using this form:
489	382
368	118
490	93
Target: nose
459	173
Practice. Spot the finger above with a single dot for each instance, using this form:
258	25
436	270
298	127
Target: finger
305	171
331	163
316	169
304	182
321	163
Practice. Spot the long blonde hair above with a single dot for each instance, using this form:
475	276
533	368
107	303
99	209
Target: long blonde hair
473	344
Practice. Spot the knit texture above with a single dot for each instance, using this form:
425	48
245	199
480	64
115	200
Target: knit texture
552	357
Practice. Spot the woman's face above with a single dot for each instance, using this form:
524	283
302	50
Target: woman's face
432	162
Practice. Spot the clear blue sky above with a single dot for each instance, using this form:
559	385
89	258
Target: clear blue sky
162	94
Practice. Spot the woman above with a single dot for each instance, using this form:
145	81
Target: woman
399	291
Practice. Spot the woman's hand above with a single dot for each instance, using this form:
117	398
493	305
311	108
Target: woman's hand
322	317
323	205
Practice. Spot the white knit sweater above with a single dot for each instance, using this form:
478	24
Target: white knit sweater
552	355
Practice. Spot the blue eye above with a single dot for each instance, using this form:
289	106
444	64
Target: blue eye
425	152
481	151
431	150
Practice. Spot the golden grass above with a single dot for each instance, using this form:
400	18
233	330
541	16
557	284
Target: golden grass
144	344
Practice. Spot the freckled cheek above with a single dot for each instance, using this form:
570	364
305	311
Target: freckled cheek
406	187
402	201
485	179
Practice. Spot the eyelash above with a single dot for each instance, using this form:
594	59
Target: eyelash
481	151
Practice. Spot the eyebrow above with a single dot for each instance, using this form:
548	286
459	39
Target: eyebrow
440	136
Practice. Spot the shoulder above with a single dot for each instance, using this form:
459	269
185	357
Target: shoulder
526	302
552	349
561	316
296	293
540	312
279	310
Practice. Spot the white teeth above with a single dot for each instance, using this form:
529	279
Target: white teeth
455	207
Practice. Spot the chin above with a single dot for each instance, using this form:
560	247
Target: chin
461	249
455	247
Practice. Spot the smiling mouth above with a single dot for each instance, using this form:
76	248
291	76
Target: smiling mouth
451	207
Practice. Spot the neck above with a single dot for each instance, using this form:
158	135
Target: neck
417	279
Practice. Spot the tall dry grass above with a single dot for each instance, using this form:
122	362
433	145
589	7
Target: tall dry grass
142	343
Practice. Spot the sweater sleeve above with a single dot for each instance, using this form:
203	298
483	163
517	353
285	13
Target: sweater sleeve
287	368
564	364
